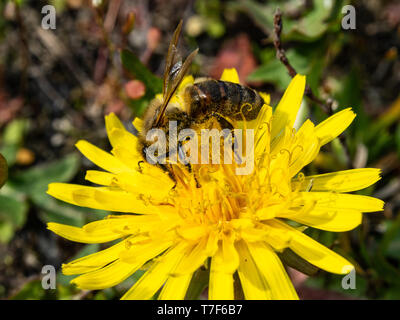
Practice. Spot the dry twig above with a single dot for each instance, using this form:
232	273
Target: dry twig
281	55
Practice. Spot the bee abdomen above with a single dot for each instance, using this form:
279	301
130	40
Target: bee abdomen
226	98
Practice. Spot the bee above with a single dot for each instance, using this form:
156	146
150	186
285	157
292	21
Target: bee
207	103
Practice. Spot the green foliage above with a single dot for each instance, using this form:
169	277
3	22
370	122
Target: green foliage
13	210
305	58
211	10
153	84
27	187
316	46
312	24
12	139
31	291
310	34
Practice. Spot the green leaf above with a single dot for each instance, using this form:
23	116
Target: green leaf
210	11
7	231
12	139
310	26
13	212
34	181
290	258
197	285
56	211
14	132
263	15
132	63
381	264
274	72
306	59
136	68
32	290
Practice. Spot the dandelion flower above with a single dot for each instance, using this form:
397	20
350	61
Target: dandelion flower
233	225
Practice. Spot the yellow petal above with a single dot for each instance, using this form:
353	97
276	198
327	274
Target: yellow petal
128	156
112	122
262	135
94	261
194	259
138	183
228	255
139	252
223	264
100	177
220	286
286	111
106	277
342	201
186	81
266	97
109	224
104	199
335	220
340	181
192	232
101	158
274	237
230	75
305	149
121	137
138	124
175	288
314	252
253	284
273	271
120	201
80	235
137	164
153	279
74	193
334	125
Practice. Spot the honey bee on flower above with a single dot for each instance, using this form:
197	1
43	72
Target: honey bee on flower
179	220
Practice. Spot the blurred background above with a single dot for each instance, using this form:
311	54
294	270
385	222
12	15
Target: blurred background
56	85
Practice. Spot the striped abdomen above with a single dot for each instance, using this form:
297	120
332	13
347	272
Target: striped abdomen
222	97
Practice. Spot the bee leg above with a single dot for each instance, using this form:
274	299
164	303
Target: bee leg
139	167
198	185
188	165
164	167
225	124
170	173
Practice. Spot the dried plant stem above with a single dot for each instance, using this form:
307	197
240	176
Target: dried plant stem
281	55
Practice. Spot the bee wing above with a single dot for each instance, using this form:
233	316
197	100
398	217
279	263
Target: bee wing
176	80
171	57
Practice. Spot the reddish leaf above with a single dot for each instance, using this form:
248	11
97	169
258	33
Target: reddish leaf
235	54
135	89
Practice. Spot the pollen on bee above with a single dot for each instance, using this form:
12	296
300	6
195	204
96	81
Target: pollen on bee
203	146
